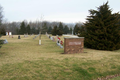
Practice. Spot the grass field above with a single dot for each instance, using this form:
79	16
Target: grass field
117	78
24	59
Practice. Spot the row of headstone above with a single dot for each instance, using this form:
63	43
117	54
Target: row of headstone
59	42
36	36
50	37
25	35
10	36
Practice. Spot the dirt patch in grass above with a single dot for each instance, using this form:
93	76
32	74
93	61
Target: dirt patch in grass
109	77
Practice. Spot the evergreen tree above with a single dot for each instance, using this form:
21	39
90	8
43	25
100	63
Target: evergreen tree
76	29
119	20
22	28
102	31
1	41
66	29
81	30
44	28
1	18
61	27
54	31
2	31
17	31
70	31
49	30
33	30
28	29
59	32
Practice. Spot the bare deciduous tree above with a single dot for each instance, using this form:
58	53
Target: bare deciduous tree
1	15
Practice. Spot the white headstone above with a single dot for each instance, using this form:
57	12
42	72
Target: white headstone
51	38
6	33
61	46
5	41
10	33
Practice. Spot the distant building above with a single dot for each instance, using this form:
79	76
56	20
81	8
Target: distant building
8	33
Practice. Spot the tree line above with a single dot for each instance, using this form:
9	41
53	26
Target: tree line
25	27
44	27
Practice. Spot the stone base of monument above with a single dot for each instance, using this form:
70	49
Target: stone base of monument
73	45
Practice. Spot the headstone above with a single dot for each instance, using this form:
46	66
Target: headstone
58	44
73	45
53	39
34	37
19	37
5	41
49	36
61	46
58	41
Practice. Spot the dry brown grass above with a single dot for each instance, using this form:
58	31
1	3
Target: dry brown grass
49	60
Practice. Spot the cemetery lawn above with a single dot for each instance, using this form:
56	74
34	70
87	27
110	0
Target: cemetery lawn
117	78
24	59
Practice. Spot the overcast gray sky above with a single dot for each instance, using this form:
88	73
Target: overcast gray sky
53	10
